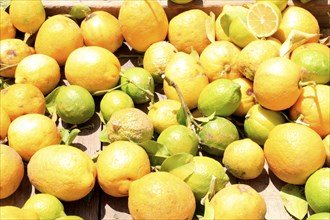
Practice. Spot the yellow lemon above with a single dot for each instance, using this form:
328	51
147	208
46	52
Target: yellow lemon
7	29
119	164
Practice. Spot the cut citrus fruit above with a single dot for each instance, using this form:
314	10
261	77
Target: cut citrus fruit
263	19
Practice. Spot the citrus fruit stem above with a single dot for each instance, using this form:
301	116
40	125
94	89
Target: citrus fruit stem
187	112
300	120
7	67
308	83
100	92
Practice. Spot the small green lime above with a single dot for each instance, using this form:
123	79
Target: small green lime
217	134
317	190
135	82
45	205
319	216
181	1
179	139
114	101
221	97
74	104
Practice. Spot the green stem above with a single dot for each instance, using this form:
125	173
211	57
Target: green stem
187	112
100	92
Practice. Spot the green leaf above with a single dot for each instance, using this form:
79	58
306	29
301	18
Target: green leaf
69	135
4	4
156	151
209	210
104	135
294	200
205	119
181	165
181	116
51	102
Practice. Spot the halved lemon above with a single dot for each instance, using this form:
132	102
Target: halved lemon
263	19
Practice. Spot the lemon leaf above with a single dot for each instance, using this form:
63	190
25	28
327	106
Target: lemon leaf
104	137
157	152
51	102
179	164
4	4
294	201
68	136
205	119
210	27
295	39
209	210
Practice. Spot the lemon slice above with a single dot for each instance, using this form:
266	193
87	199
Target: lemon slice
263	19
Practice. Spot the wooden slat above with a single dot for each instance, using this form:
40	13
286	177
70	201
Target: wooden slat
319	8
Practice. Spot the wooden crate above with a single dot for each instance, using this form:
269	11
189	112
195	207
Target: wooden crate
98	205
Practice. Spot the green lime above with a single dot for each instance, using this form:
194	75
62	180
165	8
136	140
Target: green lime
317	190
137	82
70	217
315	62
217	134
179	139
74	104
221	97
260	121
80	11
130	124
114	101
181	1
319	216
45	205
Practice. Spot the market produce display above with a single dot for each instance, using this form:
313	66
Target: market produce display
150	113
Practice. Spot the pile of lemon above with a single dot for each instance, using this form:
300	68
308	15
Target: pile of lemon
197	100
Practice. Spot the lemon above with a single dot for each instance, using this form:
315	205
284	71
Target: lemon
31	132
247	99
142	23
12	51
214	143
100	28
70	217
239	32
63	171
259	121
7	29
12	171
314	60
130	124
113	101
129	162
186	72
326	142
179	139
74	104
156	58
238	201
281	4
5	122
161	195
317	190
244	159
187	31
253	54
221	97
138	83
223	21
83	61
219	60
164	114
27	16
263	19
45	205
40	70
57	37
